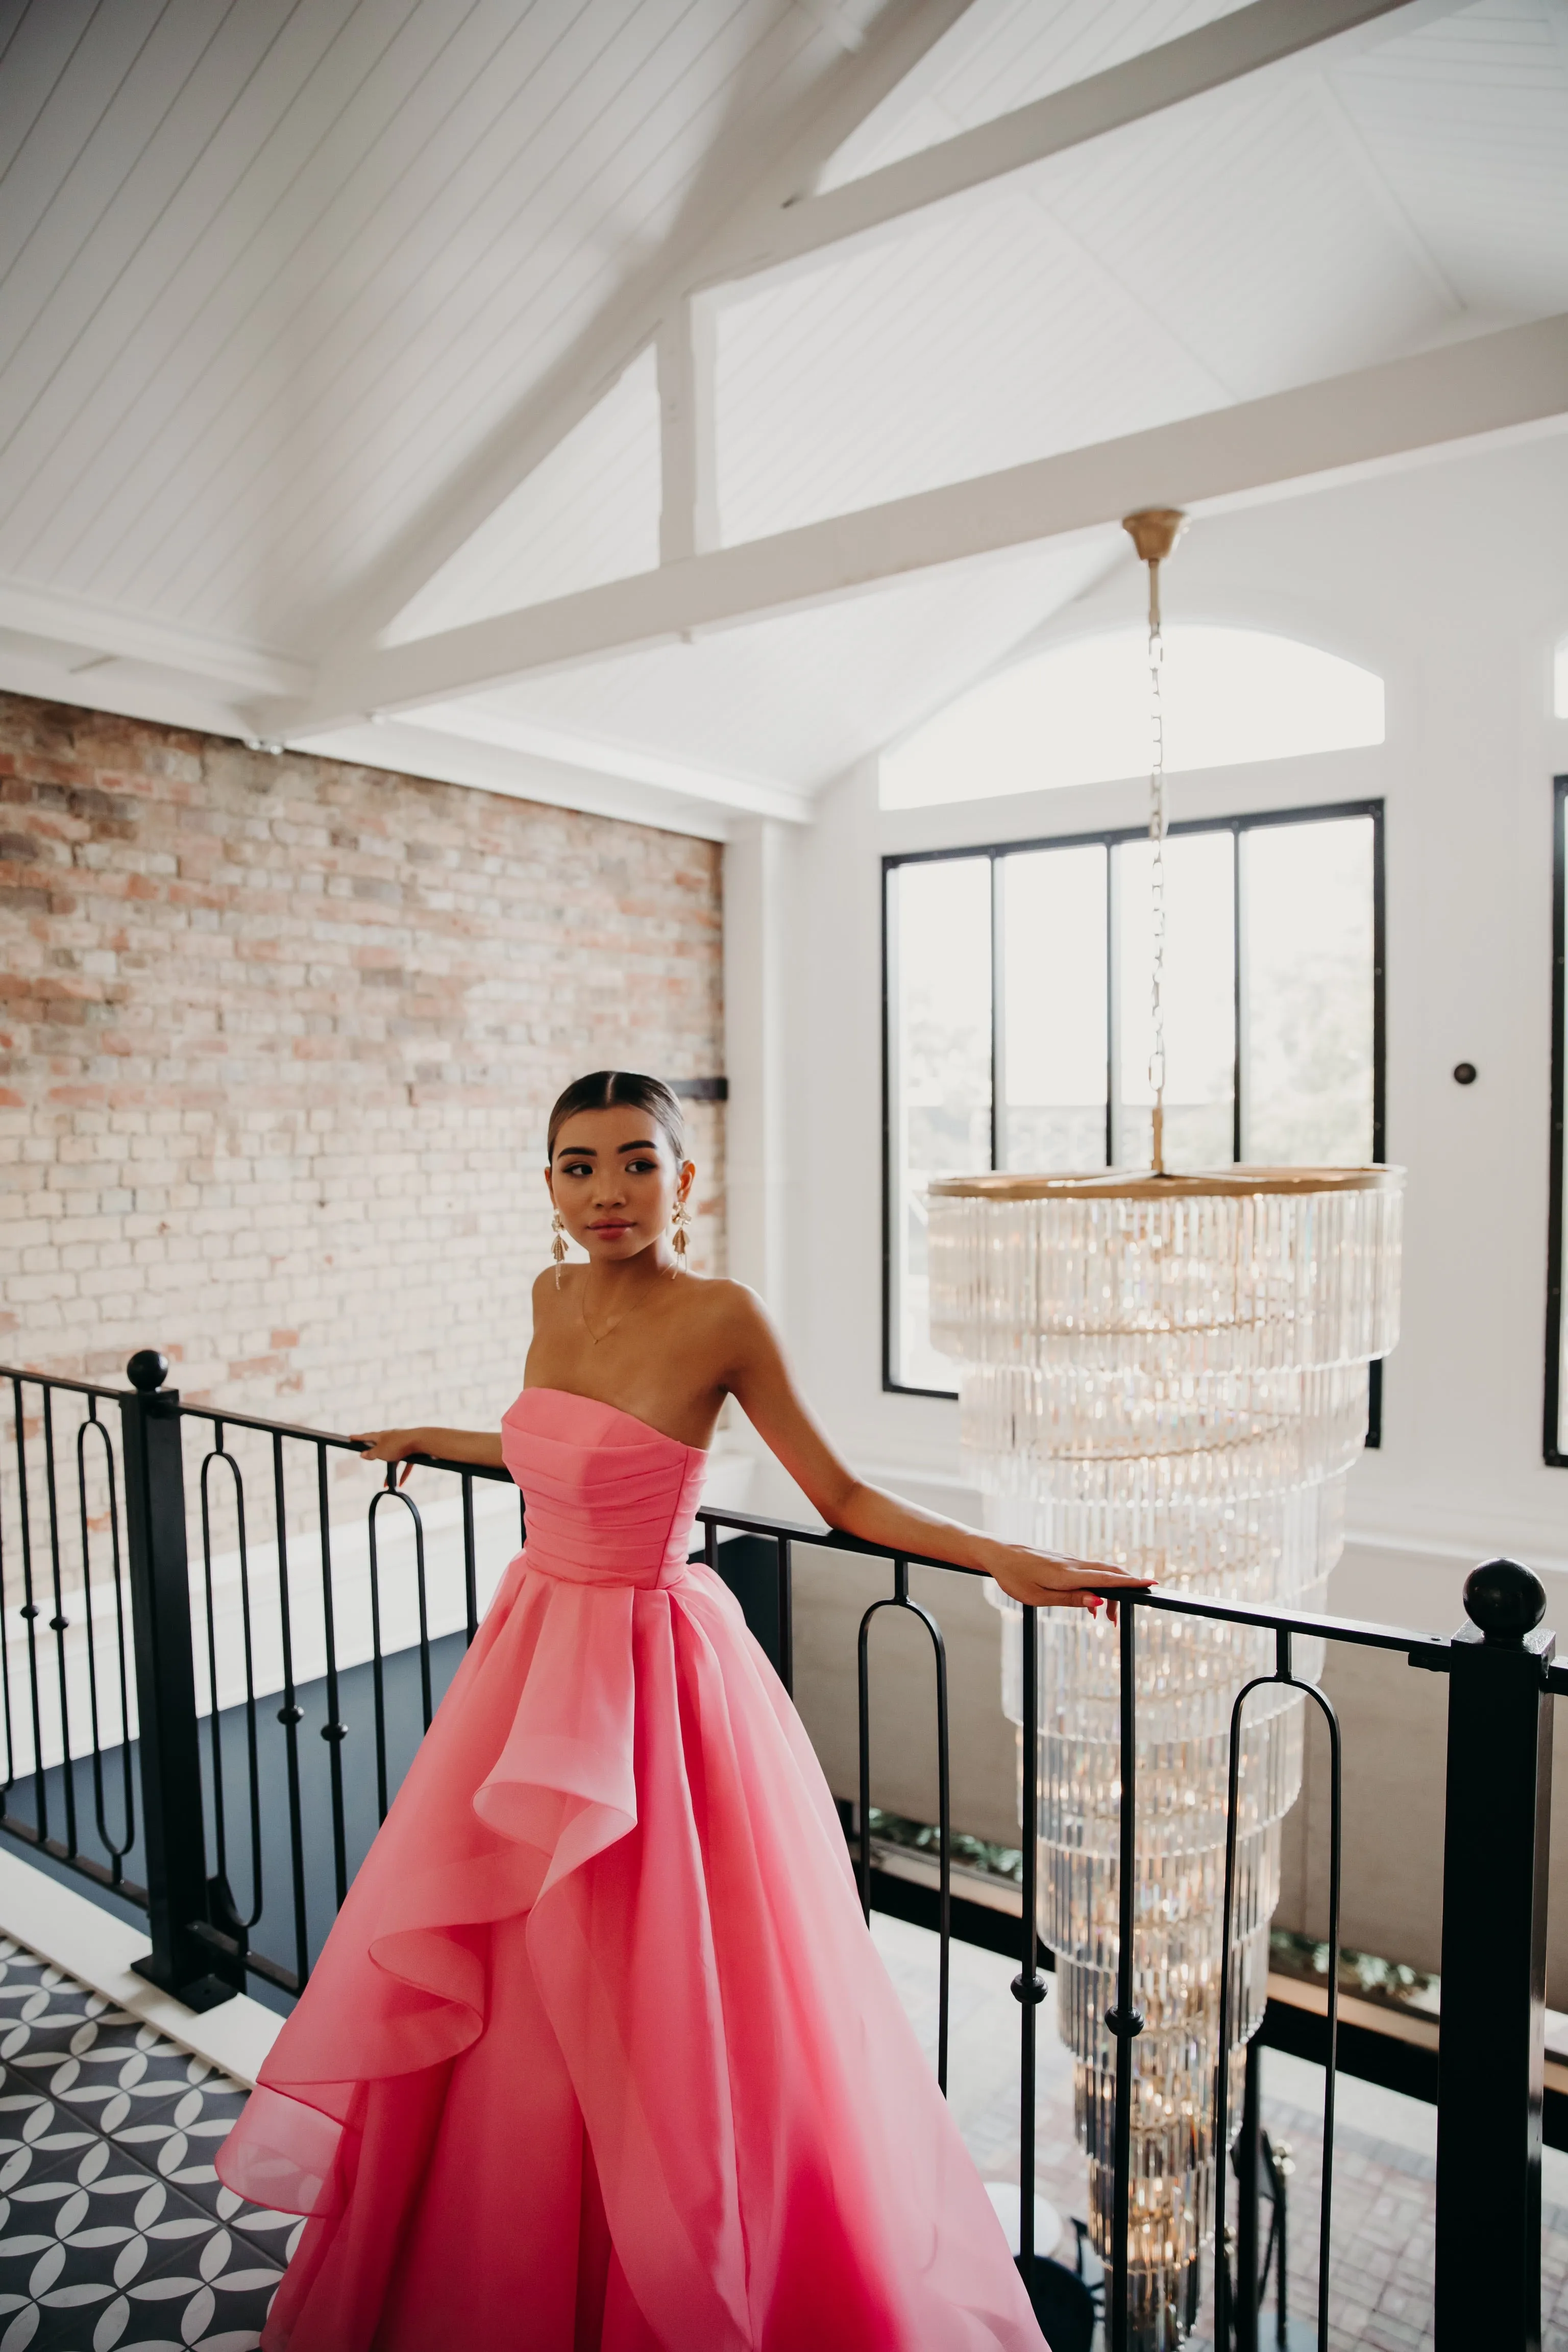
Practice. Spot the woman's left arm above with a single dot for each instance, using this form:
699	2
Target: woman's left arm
759	1379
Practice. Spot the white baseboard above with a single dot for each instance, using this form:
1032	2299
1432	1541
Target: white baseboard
74	1934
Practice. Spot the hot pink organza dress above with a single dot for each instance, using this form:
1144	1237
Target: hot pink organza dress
599	2053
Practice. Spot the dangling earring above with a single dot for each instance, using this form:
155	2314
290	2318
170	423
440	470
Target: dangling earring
679	1226
558	1245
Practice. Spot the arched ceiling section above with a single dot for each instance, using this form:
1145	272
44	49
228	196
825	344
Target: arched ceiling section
1080	713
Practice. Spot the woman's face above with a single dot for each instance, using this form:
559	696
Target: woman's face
616	1181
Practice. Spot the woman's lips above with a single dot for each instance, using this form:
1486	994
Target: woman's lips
613	1225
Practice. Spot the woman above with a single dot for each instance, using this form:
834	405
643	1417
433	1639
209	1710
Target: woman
599	2056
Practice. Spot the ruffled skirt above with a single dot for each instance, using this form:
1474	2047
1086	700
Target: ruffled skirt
599	2053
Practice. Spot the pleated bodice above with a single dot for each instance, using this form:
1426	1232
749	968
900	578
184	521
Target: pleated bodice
610	1500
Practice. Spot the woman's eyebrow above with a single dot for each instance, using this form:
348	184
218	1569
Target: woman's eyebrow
587	1150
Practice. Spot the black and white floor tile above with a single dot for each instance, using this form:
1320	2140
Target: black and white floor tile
116	2234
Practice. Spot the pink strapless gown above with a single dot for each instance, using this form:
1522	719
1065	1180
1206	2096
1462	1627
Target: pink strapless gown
599	2053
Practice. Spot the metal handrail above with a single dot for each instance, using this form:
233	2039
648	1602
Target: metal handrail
1503	1676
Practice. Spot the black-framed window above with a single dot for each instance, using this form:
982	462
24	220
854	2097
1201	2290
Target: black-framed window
1556	1432
1017	1016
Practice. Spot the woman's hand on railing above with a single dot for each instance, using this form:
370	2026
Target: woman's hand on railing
481	1446
1049	1580
391	1445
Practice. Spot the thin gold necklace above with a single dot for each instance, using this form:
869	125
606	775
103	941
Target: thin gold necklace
582	1309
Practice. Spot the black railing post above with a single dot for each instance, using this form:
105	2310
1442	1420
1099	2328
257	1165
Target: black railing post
180	1962
1030	1985
1247	2157
1489	2060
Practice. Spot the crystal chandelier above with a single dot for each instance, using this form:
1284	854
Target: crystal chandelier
1169	1372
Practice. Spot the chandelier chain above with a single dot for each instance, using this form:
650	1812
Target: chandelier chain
1157	869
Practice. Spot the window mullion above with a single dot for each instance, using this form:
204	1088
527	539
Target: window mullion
1238	968
998	1018
1112	999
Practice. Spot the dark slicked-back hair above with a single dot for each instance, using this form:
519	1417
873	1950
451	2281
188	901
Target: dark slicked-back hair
605	1089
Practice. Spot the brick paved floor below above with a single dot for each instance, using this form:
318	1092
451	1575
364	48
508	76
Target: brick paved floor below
1385	2148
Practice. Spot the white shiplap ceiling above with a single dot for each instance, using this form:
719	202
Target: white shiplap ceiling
588	512
1003	54
272	270
281	280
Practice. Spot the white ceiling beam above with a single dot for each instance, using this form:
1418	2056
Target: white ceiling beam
686	356
853	88
748	795
408	748
1267	33
1505	383
107	632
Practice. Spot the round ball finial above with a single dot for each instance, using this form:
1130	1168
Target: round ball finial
147	1371
1506	1601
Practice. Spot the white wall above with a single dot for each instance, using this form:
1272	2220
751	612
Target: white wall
1450	580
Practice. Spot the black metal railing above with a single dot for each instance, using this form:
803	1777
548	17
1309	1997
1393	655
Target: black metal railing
349	1614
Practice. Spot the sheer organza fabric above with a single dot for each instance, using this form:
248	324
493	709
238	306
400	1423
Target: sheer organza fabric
599	2053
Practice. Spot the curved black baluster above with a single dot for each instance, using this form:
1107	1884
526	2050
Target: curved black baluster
393	1492
1124	2022
58	1624
1281	1677
241	1925
334	1731
30	1614
863	1697
290	1716
397	1494
116	1852
412	1507
786	1616
377	1677
214	1726
10	1779
900	1598
471	1561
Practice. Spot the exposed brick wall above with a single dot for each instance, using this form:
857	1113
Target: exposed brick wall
277	1042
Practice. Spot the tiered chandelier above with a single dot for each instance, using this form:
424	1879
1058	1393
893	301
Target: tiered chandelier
1168	1371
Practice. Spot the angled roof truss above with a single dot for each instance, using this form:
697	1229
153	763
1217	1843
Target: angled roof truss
1512	381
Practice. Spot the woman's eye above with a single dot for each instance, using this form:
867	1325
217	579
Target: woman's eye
641	1167
577	1167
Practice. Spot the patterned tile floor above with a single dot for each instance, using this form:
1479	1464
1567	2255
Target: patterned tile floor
115	2232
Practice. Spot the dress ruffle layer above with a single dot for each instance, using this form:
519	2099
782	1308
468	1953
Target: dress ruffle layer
599	2053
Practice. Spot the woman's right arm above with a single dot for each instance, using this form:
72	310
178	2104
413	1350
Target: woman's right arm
479	1445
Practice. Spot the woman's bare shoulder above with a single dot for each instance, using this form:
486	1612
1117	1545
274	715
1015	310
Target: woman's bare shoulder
719	1296
728	1309
552	1290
